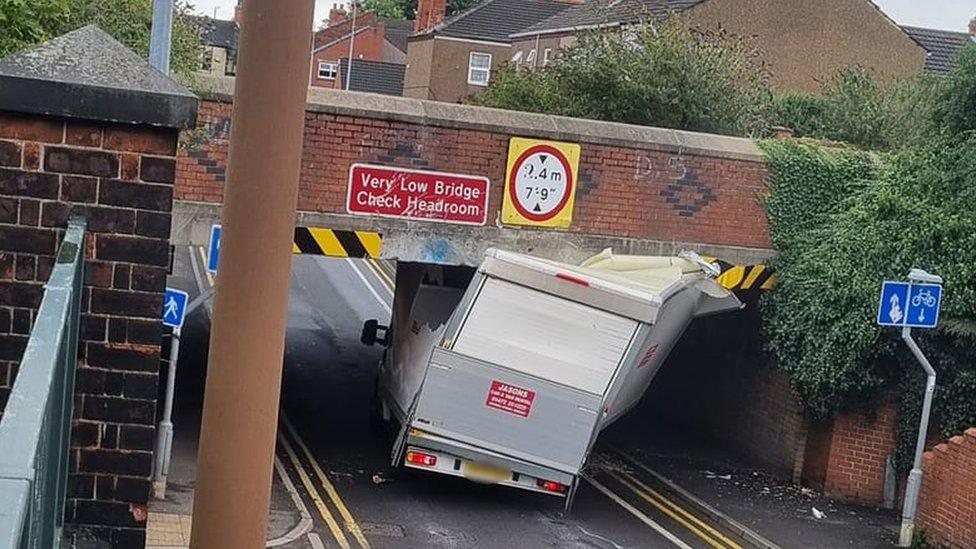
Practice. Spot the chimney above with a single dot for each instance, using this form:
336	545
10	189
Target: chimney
336	14
429	14
239	13
972	28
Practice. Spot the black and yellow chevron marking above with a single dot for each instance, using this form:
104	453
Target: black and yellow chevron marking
332	243
745	277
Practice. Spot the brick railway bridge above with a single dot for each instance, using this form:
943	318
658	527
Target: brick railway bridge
86	127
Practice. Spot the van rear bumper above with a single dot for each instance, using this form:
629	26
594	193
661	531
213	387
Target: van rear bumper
457	454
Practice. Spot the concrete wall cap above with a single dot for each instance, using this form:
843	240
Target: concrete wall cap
88	74
451	115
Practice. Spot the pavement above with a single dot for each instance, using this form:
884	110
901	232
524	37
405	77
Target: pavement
334	486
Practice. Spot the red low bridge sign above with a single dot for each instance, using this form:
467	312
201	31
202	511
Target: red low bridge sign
417	194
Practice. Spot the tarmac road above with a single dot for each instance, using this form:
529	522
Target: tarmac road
337	467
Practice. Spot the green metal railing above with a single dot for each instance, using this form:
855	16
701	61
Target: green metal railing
36	426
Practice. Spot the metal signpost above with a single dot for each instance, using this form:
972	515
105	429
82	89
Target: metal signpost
913	304
175	309
161	37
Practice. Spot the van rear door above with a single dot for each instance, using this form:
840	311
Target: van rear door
526	375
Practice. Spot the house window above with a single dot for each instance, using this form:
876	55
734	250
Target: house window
327	70
546	56
231	68
530	59
479	68
207	62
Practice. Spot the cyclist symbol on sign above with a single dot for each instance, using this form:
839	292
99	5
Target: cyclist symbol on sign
541	184
923	297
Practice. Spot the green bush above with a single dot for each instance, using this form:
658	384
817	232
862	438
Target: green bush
956	110
805	114
854	108
667	76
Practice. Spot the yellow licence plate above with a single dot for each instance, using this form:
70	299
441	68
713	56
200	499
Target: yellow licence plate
483	472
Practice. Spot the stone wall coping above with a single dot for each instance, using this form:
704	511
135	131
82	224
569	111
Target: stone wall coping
451	115
87	74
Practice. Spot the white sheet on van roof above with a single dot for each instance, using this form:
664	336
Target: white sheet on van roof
650	274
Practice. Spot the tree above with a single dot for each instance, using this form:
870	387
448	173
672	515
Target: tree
855	108
24	23
407	9
669	76
843	220
388	9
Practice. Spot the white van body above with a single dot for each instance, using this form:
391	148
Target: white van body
510	380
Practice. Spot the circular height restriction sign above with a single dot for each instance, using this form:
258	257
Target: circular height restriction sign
540	183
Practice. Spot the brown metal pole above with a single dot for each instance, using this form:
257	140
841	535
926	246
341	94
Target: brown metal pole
240	410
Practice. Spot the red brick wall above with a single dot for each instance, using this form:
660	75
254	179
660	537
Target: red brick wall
747	408
947	504
846	458
120	178
626	192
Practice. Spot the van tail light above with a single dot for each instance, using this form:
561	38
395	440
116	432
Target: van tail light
422	459
572	279
551	486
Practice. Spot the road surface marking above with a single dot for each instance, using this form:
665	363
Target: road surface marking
674	516
305	524
753	537
703	525
384	276
640	516
312	493
350	522
315	541
203	257
369	286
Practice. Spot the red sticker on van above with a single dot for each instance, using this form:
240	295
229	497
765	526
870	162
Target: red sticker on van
509	398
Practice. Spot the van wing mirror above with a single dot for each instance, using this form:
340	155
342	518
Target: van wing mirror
370	335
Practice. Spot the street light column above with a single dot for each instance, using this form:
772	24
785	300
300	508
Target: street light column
240	410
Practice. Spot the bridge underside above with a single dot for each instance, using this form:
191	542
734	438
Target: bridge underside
447	244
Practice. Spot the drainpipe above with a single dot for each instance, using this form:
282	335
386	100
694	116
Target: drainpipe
240	408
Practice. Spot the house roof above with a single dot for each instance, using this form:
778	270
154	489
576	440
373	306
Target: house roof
373	76
942	46
605	13
495	20
341	30
216	32
397	32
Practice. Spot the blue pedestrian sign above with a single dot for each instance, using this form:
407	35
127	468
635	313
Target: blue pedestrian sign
909	304
174	307
213	250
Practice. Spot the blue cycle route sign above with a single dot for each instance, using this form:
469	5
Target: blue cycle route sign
174	307
910	304
213	250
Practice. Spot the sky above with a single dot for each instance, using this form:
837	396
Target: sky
937	14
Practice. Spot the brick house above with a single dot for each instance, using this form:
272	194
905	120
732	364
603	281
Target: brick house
219	38
802	42
449	59
381	44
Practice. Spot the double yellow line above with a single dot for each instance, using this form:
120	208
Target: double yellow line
380	273
675	512
349	523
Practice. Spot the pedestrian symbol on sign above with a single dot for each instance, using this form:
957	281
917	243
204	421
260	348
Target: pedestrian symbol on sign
174	307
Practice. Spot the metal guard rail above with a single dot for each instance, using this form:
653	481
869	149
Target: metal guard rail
35	429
